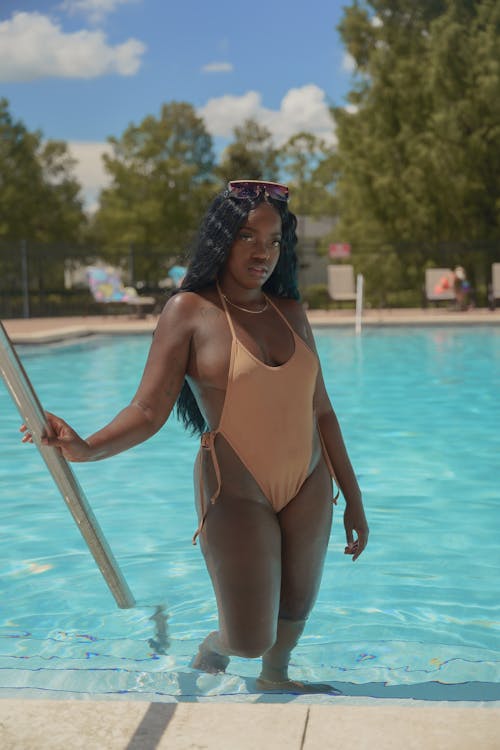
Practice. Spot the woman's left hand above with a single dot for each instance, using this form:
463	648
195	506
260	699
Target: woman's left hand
355	522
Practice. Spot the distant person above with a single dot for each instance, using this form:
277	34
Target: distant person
234	349
462	289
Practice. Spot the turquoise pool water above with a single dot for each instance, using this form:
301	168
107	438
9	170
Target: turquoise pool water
416	616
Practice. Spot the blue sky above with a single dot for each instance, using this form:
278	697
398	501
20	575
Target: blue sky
82	70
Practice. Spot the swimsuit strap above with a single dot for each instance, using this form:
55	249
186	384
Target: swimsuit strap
208	438
226	310
282	316
330	468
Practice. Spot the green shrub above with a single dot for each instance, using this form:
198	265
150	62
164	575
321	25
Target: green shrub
316	297
403	298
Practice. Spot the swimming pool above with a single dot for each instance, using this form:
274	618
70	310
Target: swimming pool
415	616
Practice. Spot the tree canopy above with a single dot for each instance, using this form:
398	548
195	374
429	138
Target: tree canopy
39	195
419	144
309	167
419	148
251	155
162	175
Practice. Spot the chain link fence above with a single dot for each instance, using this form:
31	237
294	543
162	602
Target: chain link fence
49	280
38	280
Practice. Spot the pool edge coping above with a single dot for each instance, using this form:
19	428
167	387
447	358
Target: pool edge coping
52	330
133	725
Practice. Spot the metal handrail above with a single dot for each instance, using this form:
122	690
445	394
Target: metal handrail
26	400
359	302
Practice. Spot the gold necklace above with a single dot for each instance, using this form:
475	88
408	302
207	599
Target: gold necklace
245	309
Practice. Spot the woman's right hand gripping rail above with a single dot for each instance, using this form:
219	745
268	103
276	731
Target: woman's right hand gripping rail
150	408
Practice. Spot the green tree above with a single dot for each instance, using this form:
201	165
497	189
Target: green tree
64	219
251	155
39	195
162	177
20	176
309	168
419	149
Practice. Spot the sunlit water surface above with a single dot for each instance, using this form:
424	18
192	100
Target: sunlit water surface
416	616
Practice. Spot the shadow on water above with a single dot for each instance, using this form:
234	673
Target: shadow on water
161	642
421	691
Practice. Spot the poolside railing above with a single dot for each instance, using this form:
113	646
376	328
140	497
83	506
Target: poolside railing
359	302
28	404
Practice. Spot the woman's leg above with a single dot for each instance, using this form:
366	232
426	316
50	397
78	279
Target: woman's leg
241	543
305	527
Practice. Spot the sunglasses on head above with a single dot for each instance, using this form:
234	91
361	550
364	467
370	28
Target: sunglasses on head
243	189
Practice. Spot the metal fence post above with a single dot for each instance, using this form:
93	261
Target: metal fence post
25	280
131	269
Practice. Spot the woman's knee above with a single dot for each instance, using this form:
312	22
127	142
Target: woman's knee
249	645
296	611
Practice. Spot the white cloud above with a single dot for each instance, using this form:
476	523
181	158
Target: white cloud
94	10
224	112
302	108
89	169
348	63
33	46
218	67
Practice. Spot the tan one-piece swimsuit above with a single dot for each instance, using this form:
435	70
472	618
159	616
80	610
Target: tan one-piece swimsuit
268	420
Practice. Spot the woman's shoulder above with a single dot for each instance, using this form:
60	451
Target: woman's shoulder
188	302
186	308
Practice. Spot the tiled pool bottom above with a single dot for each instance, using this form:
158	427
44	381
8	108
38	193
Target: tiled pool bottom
85	666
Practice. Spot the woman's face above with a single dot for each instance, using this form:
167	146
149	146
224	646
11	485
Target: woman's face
255	251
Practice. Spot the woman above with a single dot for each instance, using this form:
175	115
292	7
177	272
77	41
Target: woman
235	350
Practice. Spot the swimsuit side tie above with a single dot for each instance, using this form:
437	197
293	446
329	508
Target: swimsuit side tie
208	443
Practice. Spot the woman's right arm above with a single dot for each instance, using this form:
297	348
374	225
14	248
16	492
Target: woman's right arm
156	395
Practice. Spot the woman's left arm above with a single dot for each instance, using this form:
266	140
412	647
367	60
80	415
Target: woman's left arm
355	523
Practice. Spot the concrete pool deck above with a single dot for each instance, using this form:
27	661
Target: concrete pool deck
49	330
138	725
280	721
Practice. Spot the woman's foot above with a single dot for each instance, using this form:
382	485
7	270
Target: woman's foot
295	686
208	660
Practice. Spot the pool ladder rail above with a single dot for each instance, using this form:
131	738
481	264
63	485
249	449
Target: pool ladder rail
359	303
28	404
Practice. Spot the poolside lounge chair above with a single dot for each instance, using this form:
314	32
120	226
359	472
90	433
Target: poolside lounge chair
341	283
439	285
107	288
494	287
